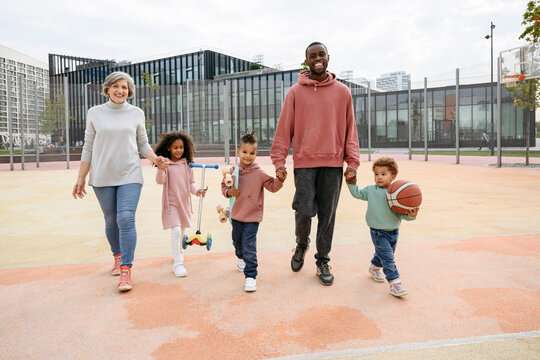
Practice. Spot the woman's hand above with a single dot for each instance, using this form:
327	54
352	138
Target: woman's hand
78	189
162	162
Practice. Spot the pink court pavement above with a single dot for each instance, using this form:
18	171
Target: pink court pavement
470	262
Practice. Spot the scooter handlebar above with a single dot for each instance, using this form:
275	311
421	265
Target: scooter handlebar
204	166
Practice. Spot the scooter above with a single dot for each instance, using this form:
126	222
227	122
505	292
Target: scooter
197	238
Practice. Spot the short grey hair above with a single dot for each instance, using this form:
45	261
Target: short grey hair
114	77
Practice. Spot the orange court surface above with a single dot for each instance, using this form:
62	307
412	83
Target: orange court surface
470	261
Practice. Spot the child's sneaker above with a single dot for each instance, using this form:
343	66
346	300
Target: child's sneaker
241	264
125	279
397	289
116	267
179	270
251	285
376	273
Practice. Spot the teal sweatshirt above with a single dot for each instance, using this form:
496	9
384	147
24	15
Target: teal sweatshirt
378	215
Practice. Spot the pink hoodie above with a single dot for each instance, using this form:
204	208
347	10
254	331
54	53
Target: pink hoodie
252	180
178	183
319	118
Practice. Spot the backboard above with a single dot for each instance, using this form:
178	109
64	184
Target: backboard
520	63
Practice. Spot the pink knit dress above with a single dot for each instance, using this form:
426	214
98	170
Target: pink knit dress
178	185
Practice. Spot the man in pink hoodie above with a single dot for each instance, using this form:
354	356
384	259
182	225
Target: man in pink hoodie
318	118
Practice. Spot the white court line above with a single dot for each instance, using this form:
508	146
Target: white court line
412	346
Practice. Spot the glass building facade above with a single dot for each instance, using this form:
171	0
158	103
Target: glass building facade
214	96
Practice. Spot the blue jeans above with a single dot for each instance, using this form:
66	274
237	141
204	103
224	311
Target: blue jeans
385	245
119	204
244	236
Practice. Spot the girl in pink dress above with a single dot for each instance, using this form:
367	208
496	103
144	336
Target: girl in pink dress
178	185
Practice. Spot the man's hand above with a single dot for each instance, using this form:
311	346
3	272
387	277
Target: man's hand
281	173
350	176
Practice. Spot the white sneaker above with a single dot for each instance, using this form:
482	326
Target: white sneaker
251	284
376	273
179	270
241	264
397	289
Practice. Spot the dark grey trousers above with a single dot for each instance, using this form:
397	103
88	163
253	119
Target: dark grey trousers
317	193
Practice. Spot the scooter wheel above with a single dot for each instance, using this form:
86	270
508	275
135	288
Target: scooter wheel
208	242
184	242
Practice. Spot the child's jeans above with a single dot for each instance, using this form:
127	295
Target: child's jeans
385	245
244	236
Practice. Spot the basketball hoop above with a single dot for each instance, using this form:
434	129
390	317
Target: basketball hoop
513	79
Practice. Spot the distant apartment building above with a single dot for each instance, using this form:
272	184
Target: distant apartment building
28	88
394	81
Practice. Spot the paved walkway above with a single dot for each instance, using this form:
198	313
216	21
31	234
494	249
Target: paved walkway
470	262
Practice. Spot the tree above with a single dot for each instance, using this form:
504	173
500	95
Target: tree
52	117
254	66
304	66
147	101
525	93
531	19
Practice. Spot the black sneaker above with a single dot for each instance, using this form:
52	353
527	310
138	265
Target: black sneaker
324	274
297	260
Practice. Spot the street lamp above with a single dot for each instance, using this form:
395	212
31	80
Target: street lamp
491	84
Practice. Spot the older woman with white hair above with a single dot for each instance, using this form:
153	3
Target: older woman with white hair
115	135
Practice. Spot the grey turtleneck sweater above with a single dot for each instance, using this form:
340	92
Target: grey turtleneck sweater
115	134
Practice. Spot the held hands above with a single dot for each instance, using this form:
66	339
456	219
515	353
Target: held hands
233	192
162	163
202	192
281	173
413	212
350	176
78	189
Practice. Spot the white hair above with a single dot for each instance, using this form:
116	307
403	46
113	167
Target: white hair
114	77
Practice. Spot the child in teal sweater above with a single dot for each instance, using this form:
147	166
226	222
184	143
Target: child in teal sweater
383	223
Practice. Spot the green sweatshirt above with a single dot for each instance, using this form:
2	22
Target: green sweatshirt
378	215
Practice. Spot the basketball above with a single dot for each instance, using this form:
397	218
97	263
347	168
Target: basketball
403	195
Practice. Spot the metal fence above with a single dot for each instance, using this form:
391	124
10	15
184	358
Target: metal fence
49	124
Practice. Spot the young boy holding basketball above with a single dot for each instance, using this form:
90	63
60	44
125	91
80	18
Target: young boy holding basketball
383	223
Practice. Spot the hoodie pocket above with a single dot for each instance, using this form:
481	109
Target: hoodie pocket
320	142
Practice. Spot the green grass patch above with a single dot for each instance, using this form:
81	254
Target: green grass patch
15	152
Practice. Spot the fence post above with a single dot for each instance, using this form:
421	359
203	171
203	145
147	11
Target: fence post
369	119
456	114
499	122
236	99
37	122
66	138
10	125
21	119
425	121
409	119
226	122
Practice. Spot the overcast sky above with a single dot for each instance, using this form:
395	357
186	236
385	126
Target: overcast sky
371	37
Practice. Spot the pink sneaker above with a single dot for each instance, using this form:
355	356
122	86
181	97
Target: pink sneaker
125	279
116	267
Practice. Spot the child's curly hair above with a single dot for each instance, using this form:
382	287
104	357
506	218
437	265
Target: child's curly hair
390	163
166	140
248	138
